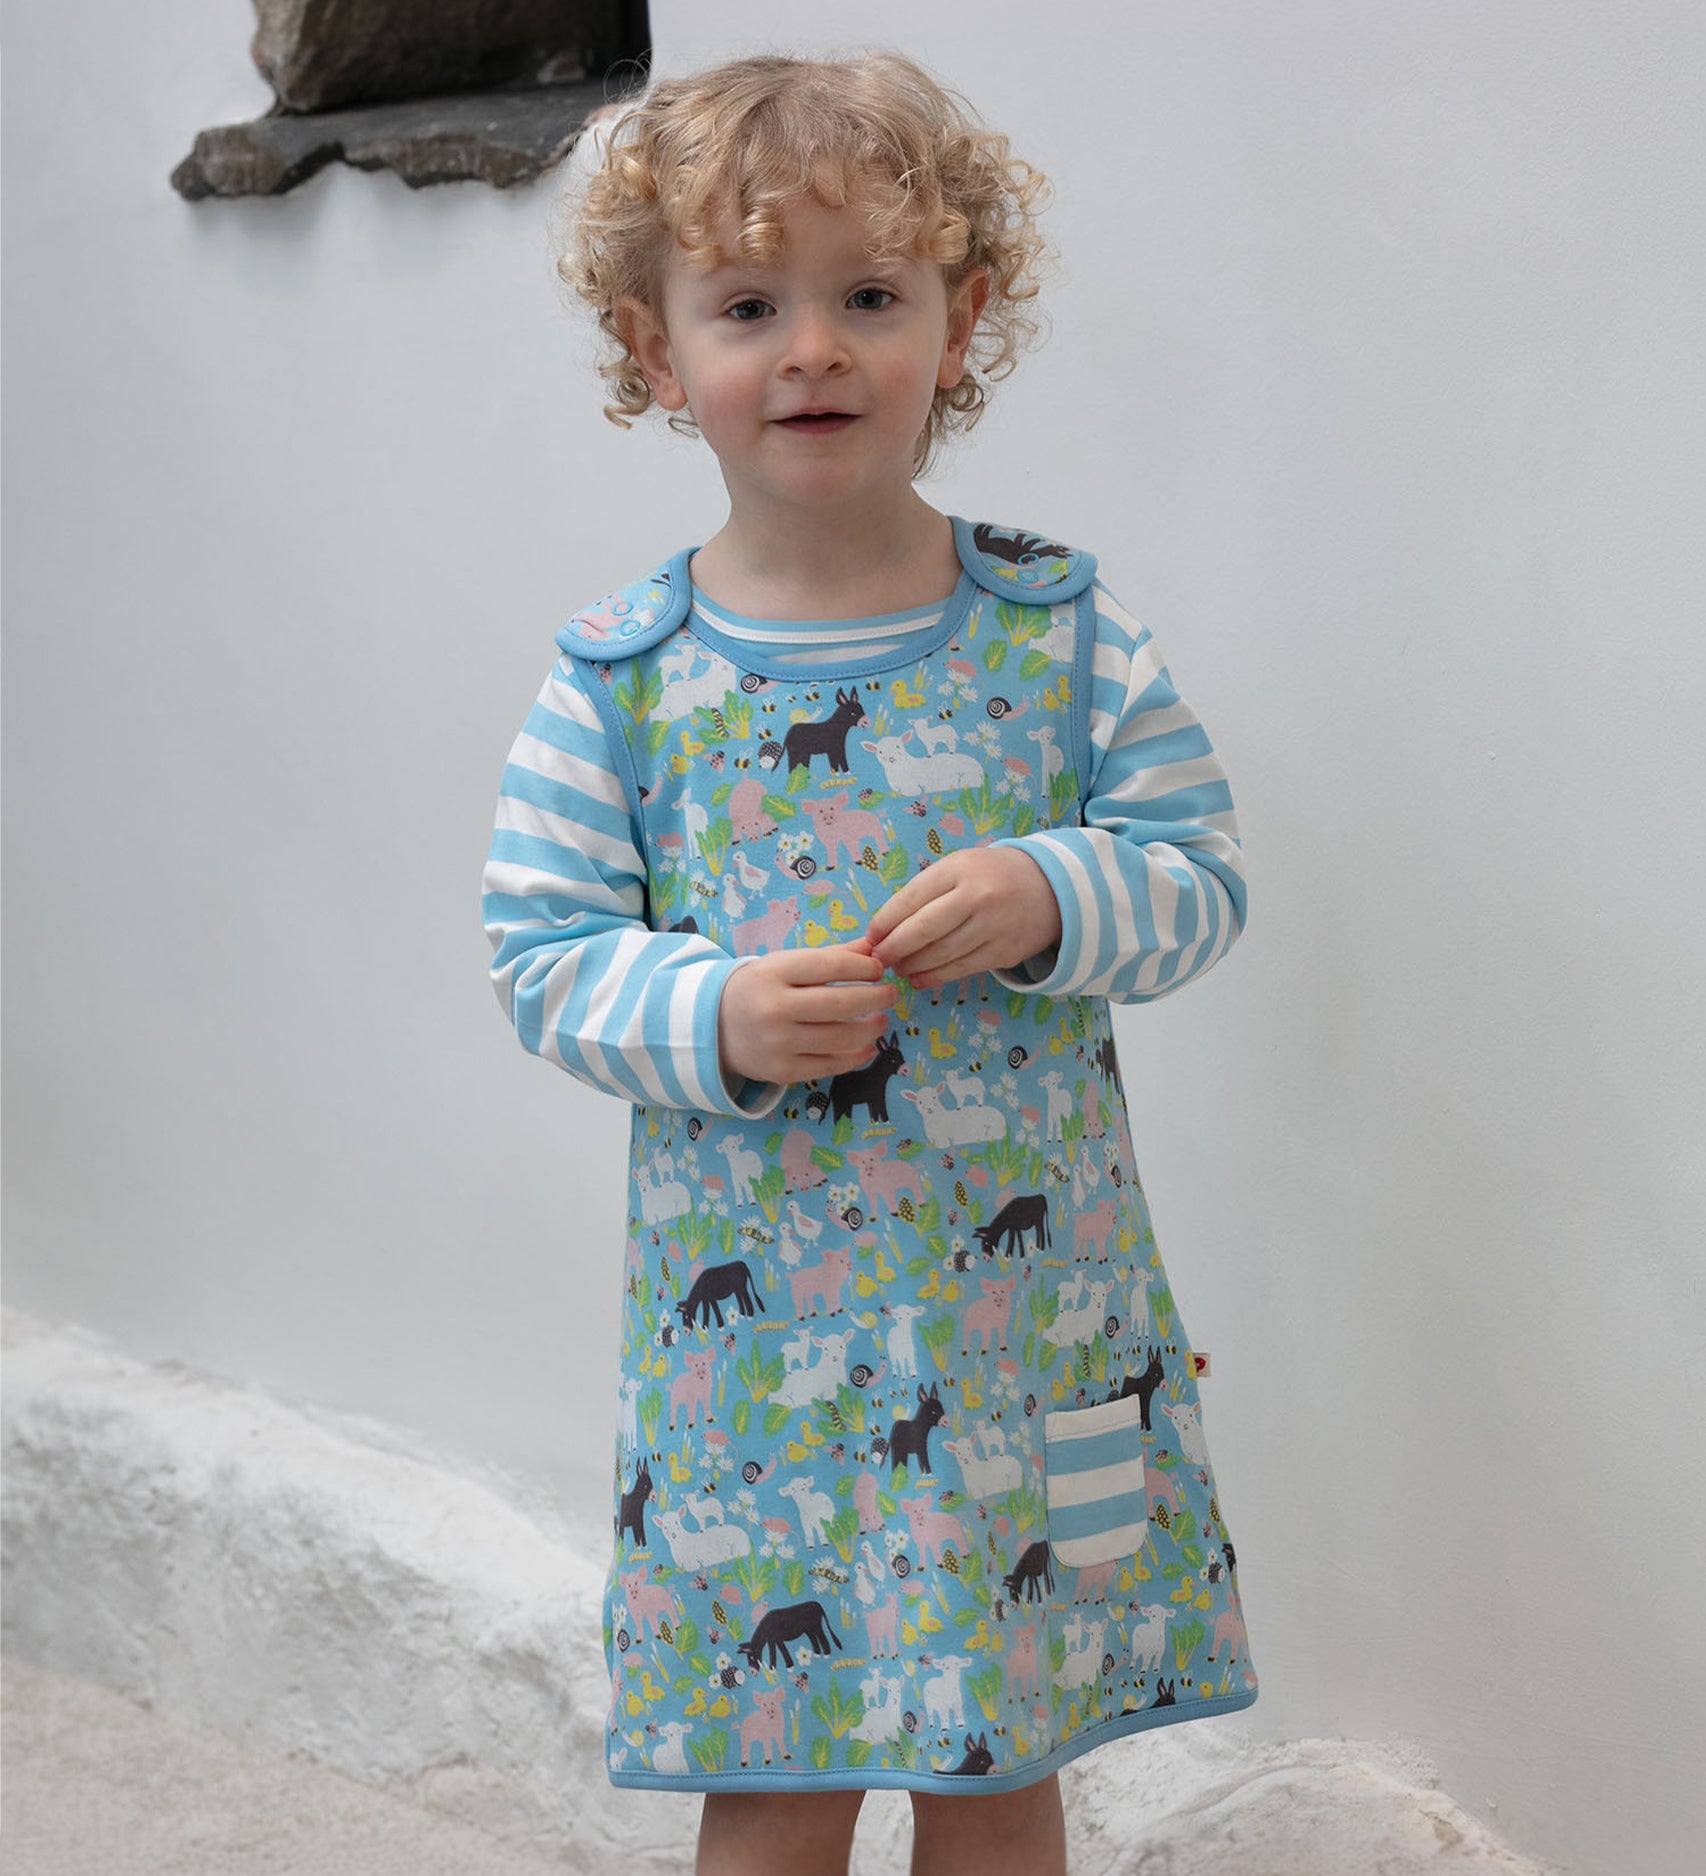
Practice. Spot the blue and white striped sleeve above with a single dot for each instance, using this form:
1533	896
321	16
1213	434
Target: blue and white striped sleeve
578	970
1151	886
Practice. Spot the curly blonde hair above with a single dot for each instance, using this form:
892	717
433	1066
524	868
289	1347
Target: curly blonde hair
748	138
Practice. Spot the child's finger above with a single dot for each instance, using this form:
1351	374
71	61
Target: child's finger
965	965
827	964
845	1003
917	892
933	957
911	944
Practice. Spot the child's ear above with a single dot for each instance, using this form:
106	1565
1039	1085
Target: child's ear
965	307
643	331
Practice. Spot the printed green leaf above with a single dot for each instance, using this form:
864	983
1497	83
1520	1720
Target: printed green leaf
843	1531
711	1749
987	1688
767	1190
836	1712
714	842
1187	1638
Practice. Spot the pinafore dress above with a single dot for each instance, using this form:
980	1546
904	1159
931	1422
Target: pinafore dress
911	1487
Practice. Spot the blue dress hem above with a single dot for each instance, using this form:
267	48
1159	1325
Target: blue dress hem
898	1778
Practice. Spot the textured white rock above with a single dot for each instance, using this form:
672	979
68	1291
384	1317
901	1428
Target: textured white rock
300	1585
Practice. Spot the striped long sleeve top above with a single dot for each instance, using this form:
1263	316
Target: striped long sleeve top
1151	886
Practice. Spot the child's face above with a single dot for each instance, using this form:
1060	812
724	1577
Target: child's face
812	378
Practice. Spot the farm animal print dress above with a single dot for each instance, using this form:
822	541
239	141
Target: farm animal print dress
911	1485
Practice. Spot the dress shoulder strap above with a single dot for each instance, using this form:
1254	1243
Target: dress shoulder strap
634	617
1032	569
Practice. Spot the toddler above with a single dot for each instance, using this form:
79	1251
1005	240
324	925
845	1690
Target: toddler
826	846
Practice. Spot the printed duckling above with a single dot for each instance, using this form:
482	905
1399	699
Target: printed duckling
840	919
906	699
941	1049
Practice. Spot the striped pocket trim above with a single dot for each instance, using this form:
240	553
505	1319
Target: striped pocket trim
1093	1468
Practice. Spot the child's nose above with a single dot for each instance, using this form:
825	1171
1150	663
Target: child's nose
815	343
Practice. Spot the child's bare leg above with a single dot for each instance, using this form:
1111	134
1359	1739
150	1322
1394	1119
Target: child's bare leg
997	1833
777	1833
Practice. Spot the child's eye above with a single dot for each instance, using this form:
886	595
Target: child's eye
748	310
869	299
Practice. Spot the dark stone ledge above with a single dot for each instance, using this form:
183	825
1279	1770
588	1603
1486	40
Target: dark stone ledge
502	137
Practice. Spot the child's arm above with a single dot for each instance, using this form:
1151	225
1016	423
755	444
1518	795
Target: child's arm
585	980
1151	888
1144	896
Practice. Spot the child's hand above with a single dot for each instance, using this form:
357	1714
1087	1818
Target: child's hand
980	909
801	1014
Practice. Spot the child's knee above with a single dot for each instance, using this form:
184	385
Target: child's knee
995	1815
783	1830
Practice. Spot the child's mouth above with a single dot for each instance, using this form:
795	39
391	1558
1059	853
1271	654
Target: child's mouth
822	420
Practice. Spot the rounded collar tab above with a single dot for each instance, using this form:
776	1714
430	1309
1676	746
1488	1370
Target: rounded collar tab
1031	569
634	617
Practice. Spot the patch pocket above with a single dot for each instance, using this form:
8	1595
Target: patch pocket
1093	1471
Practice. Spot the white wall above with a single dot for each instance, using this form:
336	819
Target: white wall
1370	385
